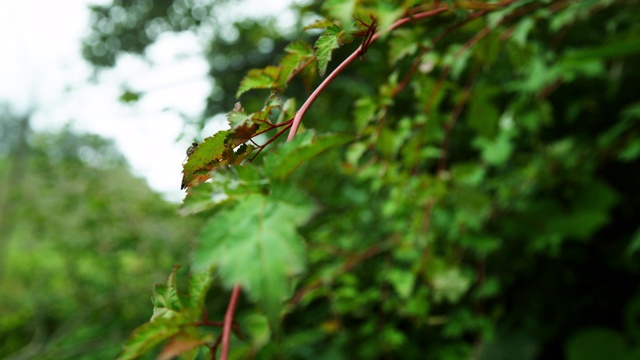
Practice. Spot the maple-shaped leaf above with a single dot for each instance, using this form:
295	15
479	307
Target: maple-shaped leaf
173	320
203	159
165	299
281	162
342	10
298	55
266	78
255	243
326	43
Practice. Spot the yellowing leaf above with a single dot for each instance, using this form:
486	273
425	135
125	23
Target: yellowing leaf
204	159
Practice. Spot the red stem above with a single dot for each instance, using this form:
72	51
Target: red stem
228	322
414	17
310	100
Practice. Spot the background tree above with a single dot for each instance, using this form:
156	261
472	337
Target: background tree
484	207
81	243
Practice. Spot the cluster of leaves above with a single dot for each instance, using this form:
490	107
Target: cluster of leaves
483	202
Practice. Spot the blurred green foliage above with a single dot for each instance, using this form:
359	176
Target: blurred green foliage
486	207
82	240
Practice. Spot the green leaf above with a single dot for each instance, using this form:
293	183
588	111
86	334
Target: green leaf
326	43
483	116
342	10
129	96
364	111
282	161
255	243
266	78
320	24
298	53
387	13
634	244
596	344
449	284
199	284
165	298
204	158
402	280
149	335
198	199
227	184
403	42
496	151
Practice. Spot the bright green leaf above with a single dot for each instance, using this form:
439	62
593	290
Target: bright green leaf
165	297
298	53
199	284
266	78
149	335
449	284
255	243
326	43
202	159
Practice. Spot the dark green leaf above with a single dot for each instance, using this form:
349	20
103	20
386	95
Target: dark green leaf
281	162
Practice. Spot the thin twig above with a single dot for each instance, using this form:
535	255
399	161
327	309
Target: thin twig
260	148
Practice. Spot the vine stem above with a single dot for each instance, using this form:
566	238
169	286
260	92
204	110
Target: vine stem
310	100
228	321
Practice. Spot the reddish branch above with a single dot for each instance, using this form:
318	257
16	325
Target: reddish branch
312	98
359	51
228	322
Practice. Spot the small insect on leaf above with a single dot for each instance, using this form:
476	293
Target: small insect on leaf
192	148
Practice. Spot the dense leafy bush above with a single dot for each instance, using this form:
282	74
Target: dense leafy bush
476	196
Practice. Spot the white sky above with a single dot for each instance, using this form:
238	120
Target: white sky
41	68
